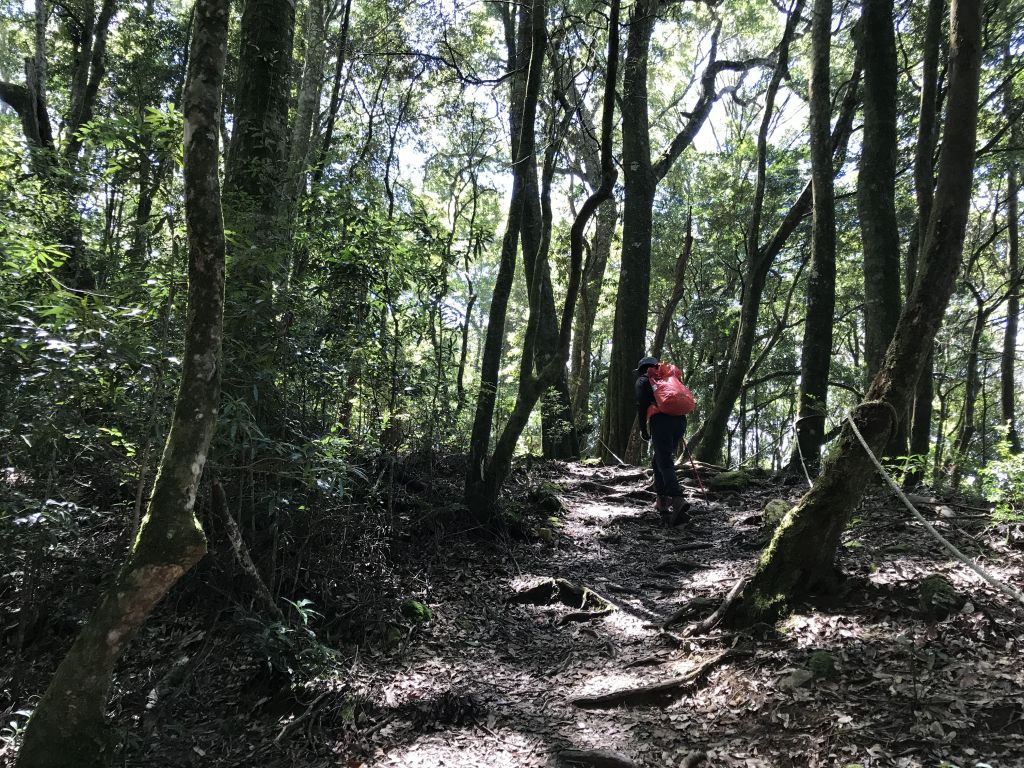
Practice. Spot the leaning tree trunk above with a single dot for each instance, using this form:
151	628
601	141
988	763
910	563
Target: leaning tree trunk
816	358
67	728
801	557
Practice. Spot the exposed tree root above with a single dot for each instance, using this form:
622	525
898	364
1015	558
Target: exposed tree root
597	758
565	592
721	611
583	616
688	608
677	564
654	694
689	546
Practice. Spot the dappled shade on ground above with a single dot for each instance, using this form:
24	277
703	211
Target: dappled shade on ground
490	681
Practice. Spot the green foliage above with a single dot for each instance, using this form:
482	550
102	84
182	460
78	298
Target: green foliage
1002	483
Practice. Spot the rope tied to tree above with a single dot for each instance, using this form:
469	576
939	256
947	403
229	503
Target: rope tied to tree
992	580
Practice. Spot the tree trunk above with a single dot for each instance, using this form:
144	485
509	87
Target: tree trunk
972	384
68	726
482	491
1008	406
816	357
924	186
758	262
526	59
678	288
324	150
801	556
876	183
255	179
588	150
590	297
558	428
314	29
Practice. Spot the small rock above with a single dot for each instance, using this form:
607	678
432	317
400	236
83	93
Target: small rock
798	678
729	481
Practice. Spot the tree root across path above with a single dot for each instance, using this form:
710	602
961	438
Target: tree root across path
597	758
655	694
565	592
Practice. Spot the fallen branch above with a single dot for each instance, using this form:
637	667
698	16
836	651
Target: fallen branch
314	706
654	694
689	546
649	661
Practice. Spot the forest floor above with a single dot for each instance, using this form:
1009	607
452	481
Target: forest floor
498	678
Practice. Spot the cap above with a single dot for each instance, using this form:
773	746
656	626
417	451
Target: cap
645	362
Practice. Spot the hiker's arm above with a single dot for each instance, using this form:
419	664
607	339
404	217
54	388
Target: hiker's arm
644	399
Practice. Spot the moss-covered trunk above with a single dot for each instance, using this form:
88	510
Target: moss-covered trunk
801	557
67	728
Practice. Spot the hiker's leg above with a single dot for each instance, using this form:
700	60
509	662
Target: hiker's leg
663	441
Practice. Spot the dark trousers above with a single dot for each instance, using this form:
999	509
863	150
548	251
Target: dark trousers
666	432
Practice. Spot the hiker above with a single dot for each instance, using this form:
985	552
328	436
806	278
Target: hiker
663	422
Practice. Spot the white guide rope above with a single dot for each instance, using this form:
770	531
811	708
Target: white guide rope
1001	586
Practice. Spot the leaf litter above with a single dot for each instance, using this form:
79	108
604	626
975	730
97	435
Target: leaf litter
491	679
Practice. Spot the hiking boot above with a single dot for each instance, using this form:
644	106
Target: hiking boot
679	514
662	504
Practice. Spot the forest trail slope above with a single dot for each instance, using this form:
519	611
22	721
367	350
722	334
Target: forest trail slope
868	680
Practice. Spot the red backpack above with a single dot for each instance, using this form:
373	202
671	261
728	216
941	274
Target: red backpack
671	396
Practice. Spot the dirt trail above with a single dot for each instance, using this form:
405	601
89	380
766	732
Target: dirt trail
494	682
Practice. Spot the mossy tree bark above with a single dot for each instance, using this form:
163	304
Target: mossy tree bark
801	557
67	728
